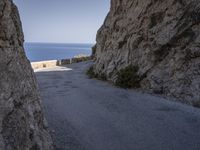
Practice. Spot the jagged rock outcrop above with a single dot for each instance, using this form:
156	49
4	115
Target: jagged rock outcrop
161	37
22	125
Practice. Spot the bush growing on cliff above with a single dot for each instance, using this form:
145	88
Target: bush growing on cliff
196	104
90	72
128	77
102	77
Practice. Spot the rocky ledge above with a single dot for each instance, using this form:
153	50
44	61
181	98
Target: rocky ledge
22	125
161	38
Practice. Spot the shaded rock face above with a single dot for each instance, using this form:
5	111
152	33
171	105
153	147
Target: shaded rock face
161	37
22	125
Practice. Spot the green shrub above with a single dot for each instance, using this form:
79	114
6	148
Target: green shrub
196	104
128	77
102	76
90	72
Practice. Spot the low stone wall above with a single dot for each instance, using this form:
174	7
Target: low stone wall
53	63
44	64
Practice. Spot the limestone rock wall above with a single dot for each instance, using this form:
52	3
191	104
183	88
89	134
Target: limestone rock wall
161	37
22	125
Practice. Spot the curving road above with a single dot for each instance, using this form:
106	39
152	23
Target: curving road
87	114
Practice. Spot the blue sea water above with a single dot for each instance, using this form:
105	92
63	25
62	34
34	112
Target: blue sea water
52	51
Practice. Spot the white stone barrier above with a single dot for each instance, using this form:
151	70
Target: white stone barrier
54	63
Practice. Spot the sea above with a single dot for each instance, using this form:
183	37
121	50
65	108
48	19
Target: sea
55	51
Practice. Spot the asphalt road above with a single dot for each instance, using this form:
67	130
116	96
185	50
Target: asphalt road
87	114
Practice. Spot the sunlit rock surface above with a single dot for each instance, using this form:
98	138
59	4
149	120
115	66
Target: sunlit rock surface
22	125
161	37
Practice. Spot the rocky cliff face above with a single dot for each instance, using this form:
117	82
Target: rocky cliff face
22	125
161	37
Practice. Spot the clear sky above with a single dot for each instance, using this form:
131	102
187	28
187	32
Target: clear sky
62	21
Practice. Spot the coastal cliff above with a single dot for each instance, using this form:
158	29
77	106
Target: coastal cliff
22	125
161	38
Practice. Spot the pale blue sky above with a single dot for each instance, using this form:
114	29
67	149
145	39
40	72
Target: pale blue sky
62	21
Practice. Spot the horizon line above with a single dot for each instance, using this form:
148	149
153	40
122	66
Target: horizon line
60	42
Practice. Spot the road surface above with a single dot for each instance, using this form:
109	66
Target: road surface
87	114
